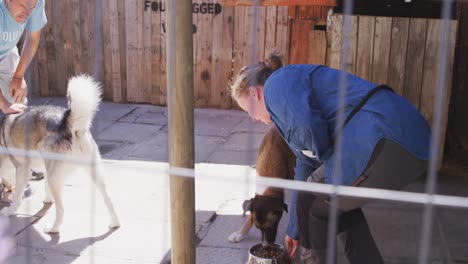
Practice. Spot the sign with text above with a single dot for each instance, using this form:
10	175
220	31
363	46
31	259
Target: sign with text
197	8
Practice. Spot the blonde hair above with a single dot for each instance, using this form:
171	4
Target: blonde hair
255	74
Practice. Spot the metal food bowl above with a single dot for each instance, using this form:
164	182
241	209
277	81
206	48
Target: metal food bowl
259	260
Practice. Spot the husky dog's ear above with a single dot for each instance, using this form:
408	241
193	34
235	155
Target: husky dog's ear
247	206
285	207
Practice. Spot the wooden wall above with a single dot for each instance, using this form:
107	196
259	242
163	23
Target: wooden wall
129	48
133	48
401	52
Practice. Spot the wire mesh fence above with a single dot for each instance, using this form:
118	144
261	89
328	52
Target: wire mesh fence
248	178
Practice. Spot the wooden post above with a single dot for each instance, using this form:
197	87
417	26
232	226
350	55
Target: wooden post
181	128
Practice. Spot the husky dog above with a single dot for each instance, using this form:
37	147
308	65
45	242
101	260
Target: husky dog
52	129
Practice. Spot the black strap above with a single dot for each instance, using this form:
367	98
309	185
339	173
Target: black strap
365	99
362	103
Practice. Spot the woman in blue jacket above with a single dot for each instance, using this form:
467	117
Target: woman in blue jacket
384	144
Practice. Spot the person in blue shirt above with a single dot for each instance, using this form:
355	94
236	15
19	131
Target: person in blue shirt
18	17
384	144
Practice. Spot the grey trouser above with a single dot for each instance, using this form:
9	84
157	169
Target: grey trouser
8	66
390	167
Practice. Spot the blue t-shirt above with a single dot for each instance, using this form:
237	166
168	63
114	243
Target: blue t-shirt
11	31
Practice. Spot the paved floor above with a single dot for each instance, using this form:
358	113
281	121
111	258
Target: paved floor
133	141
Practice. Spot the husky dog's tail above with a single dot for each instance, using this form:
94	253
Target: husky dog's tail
84	96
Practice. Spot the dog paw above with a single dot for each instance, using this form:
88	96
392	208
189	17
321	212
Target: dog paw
236	237
51	230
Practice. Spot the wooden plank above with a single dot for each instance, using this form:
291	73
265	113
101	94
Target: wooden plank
310	44
315	47
131	28
42	61
432	75
255	34
123	49
163	97
349	44
114	47
139	89
301	12
270	30
365	46
431	63
250	51
300	40
383	26
431	69
203	56
75	31
31	76
156	59
292	12
41	87
279	2
309	12
223	25
98	41
59	87
335	48
397	63
325	11
146	56
282	32
239	41
452	35
315	12
67	37
87	18
414	60
320	47
86	29
107	52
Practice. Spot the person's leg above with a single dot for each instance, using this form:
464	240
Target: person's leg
313	214
312	230
8	66
359	245
390	167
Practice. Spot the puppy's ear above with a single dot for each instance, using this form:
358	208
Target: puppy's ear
247	206
285	207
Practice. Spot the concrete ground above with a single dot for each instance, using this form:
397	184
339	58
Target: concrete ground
133	142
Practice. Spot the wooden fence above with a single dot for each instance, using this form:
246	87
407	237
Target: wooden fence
133	47
401	52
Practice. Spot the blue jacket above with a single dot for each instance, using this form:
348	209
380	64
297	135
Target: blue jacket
303	103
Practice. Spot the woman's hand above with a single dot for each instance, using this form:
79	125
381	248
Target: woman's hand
291	246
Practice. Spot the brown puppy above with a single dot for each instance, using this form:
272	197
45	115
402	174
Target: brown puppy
274	159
